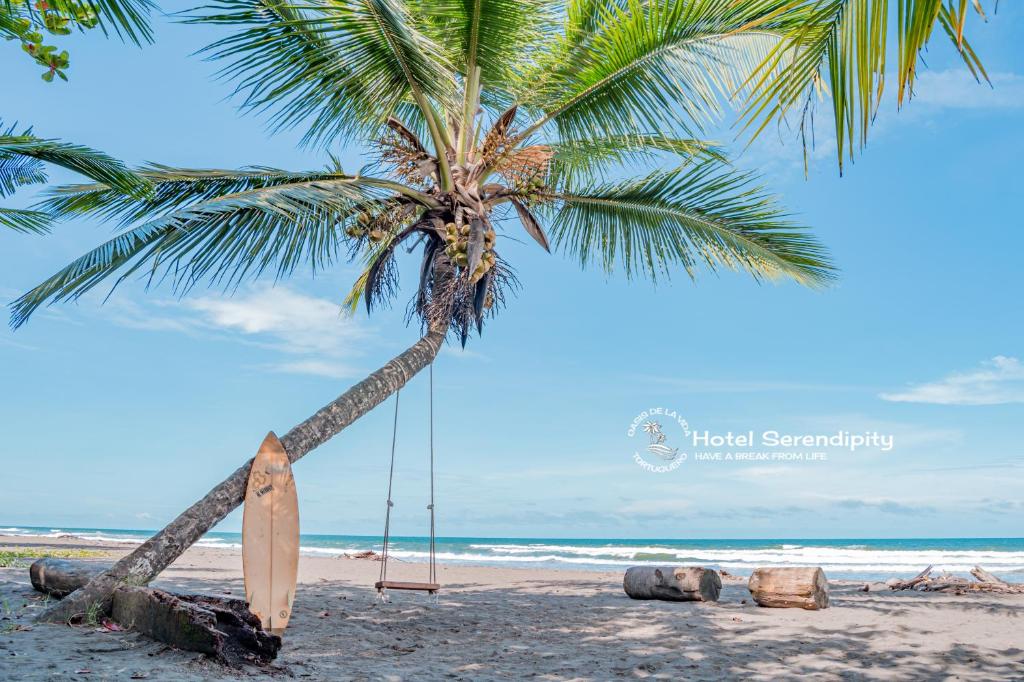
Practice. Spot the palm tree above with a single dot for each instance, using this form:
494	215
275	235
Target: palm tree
476	110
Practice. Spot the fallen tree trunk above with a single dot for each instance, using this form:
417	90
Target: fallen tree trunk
672	583
60	577
221	628
154	555
790	587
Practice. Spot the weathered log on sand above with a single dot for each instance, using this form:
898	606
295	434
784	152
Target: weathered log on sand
60	577
984	582
221	628
672	583
790	587
983	576
897	584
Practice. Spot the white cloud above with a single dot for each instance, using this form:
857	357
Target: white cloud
957	89
314	332
998	381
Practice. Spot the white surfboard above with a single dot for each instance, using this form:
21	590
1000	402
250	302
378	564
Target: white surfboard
270	536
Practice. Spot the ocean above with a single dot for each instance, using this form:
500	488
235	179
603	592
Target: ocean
849	559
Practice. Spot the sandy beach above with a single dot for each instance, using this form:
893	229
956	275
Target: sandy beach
505	623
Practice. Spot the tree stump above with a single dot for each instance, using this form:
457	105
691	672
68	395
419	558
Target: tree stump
672	583
60	577
221	628
790	588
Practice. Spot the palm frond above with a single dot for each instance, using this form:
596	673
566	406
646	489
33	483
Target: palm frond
174	188
25	220
840	47
496	36
649	65
89	162
590	159
17	171
129	19
699	214
341	67
224	240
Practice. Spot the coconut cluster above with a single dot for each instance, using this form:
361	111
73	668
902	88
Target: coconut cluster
457	248
367	226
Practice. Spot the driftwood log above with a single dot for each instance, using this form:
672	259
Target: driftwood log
983	582
224	629
790	587
60	577
897	584
672	583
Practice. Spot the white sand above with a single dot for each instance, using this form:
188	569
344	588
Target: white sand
503	623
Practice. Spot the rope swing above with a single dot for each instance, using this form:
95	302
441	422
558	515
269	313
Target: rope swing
383	584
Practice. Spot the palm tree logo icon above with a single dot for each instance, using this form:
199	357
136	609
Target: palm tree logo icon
657	445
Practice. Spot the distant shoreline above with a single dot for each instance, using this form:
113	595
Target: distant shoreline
842	559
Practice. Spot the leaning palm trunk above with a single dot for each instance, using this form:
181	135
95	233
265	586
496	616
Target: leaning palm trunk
153	556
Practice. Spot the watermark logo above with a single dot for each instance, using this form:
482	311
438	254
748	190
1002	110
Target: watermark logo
659	455
670	442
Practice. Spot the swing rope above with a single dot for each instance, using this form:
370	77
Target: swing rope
433	561
430	586
391	478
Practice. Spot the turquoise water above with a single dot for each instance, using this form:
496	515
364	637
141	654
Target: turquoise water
860	559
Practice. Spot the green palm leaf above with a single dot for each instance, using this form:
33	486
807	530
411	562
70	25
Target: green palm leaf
658	65
840	47
223	240
129	19
342	66
25	220
700	214
591	159
174	188
17	171
88	162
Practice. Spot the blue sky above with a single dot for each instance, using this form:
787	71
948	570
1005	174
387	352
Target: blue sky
120	415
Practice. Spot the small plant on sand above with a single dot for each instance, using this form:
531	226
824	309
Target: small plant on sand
93	614
23	556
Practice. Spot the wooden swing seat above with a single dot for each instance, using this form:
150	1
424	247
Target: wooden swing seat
396	585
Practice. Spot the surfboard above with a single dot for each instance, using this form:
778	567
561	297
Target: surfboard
270	536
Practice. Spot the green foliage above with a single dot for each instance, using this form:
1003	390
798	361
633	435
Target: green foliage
30	22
